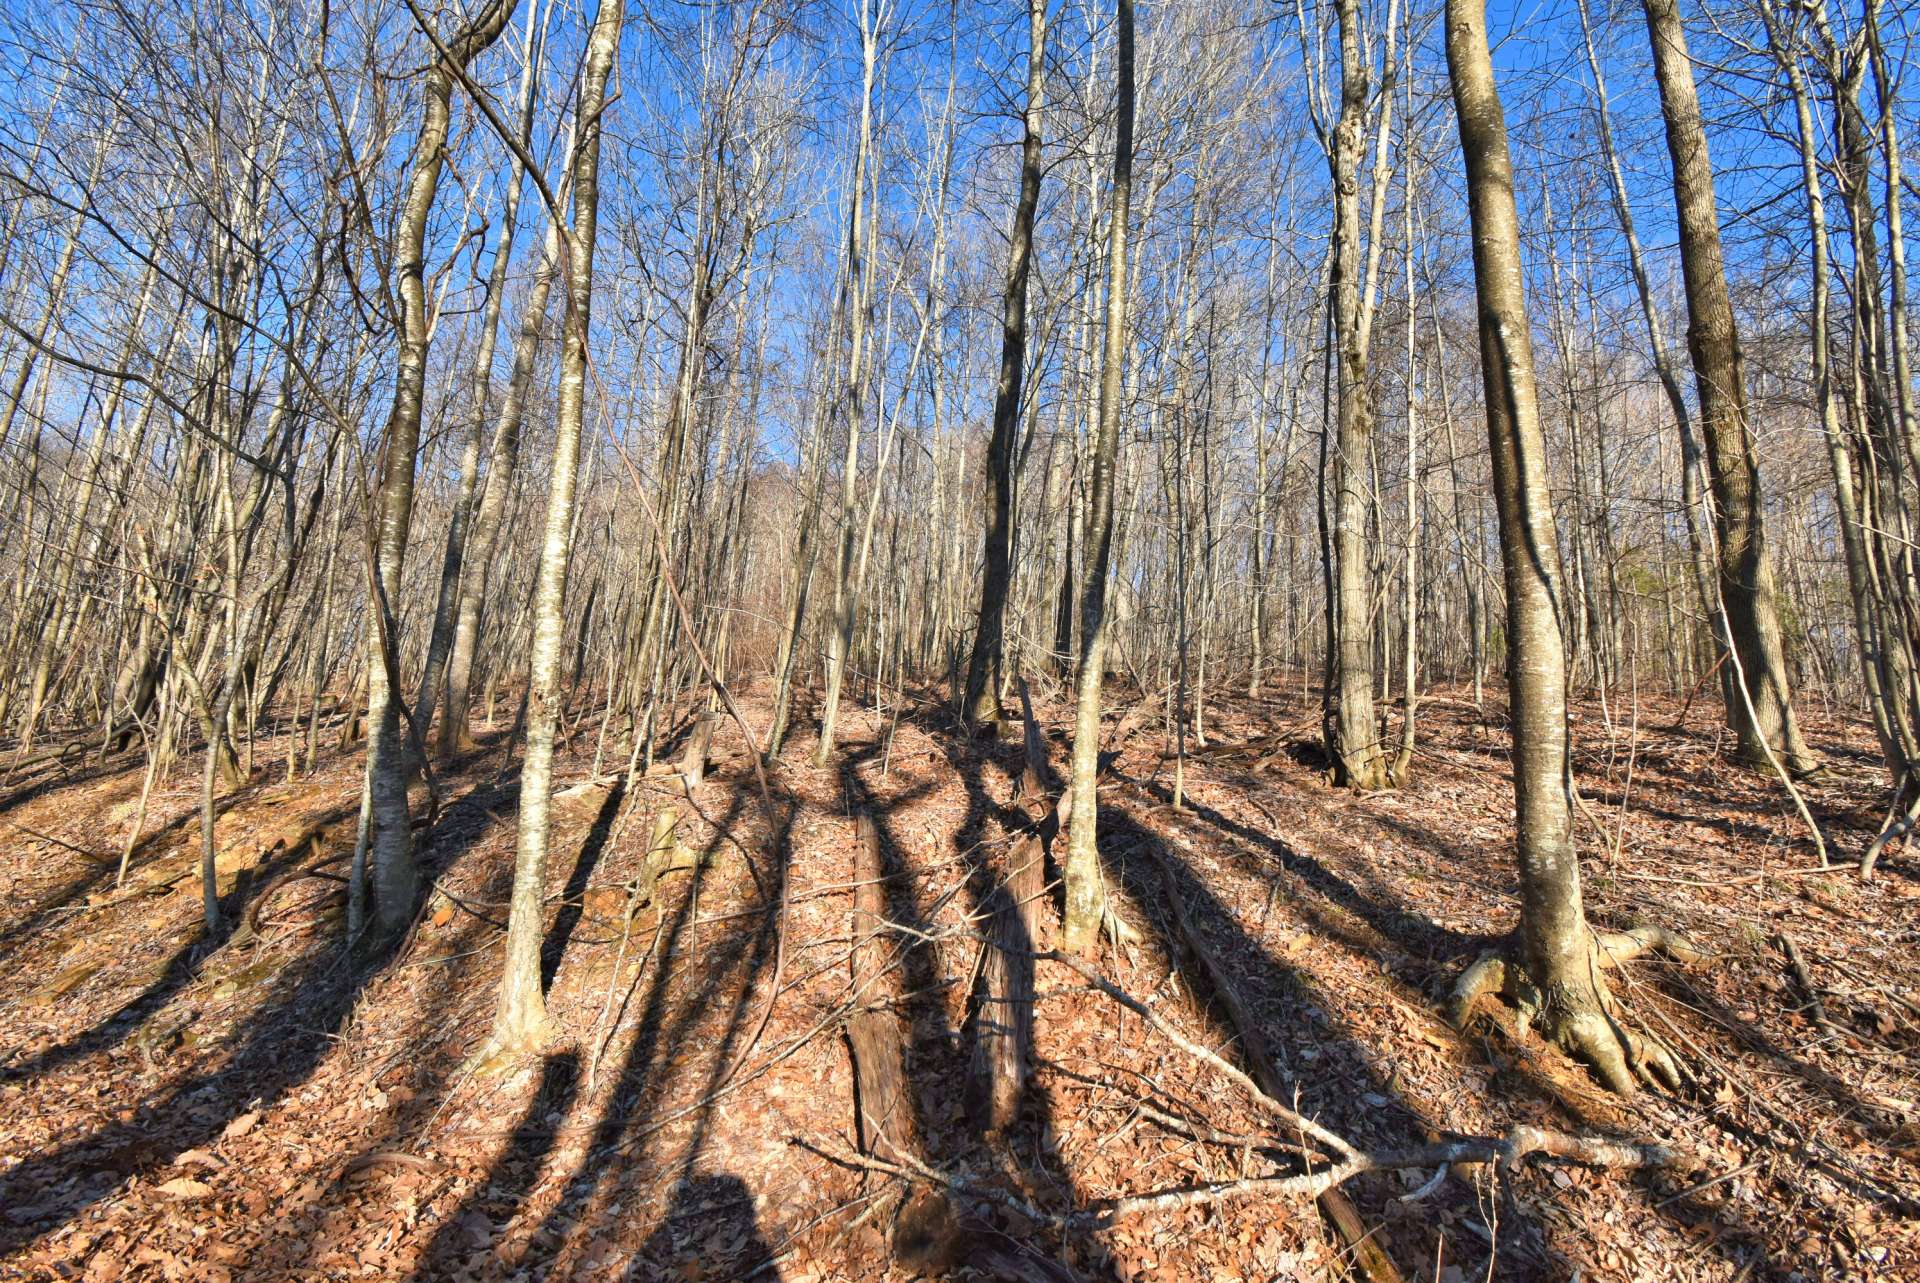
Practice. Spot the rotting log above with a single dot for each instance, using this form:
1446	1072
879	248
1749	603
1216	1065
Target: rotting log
1026	882
1021	923
924	1233
1003	1021
666	853
928	1235
1368	1255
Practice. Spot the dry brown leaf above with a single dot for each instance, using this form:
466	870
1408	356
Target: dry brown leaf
185	1187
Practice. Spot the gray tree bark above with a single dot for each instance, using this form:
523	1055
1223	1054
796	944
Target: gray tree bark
1763	719
1562	988
984	670
1086	895
395	879
520	1020
1352	732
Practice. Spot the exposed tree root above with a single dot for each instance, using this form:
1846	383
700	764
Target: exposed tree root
1615	947
1584	1020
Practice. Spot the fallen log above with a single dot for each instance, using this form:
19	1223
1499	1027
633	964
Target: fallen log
1003	1020
1026	872
1022	922
1339	1210
924	1233
666	853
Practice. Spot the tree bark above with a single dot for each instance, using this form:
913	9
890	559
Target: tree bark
845	597
520	1020
1764	718
447	601
503	456
984	671
395	879
1555	941
1352	731
1086	896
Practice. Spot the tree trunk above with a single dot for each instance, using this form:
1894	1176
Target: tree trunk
1555	941
984	671
447	601
1352	732
395	879
520	1021
1763	718
845	603
503	456
1086	889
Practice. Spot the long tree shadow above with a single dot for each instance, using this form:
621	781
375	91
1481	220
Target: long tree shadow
147	851
1334	1069
1319	1055
1391	920
460	1241
185	964
102	871
709	1231
1879	1126
283	1041
61	776
933	1052
1044	1167
573	899
615	1155
433	1053
739	1243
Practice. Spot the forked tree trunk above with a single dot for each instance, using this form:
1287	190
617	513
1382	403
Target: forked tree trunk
447	601
395	879
1351	728
1861	590
520	1021
845	598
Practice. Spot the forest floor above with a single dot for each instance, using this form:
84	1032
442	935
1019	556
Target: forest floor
263	1106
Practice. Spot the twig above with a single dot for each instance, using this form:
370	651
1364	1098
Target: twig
1804	978
1517	1146
1291	1118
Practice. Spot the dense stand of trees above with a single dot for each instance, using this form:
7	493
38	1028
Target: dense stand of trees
558	367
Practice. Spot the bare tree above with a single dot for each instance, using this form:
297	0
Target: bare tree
520	1021
390	838
984	669
1762	714
1556	976
1086	888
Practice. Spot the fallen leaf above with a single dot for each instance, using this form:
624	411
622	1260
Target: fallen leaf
242	1125
185	1187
